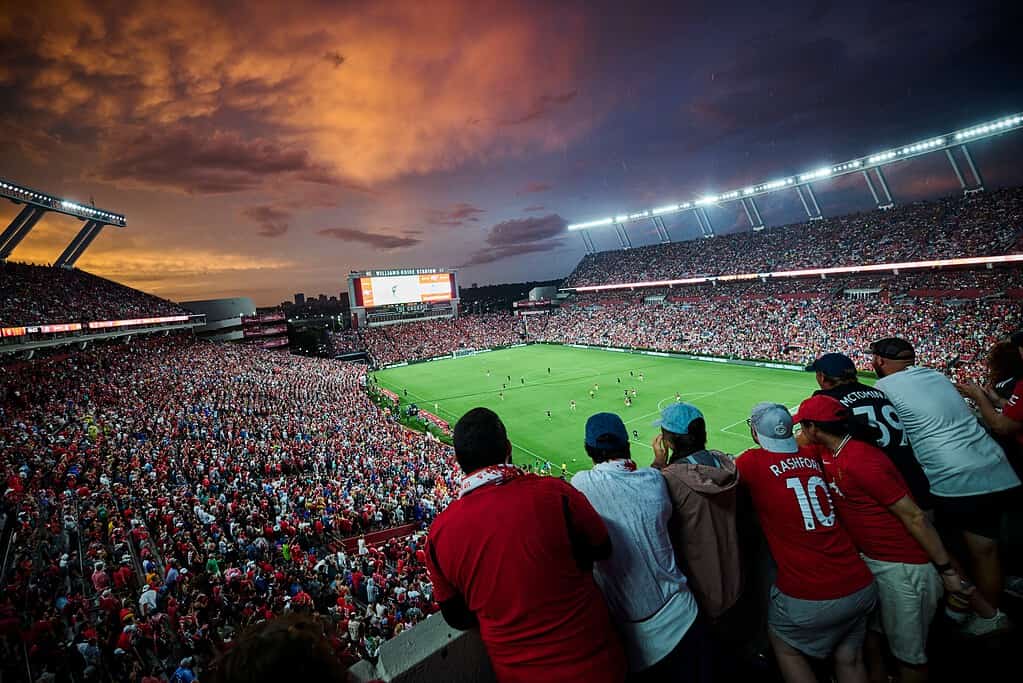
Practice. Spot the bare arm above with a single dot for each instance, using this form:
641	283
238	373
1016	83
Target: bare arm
919	527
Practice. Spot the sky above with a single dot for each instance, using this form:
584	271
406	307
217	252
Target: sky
263	149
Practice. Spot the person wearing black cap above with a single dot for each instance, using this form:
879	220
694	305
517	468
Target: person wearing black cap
646	591
837	378
969	475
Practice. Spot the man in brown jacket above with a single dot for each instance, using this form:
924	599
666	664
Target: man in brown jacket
702	485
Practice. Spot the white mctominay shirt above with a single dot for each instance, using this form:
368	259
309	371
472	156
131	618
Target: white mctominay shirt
957	455
645	589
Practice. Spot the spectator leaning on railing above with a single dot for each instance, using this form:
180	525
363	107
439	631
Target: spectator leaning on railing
514	555
648	595
824	592
892	533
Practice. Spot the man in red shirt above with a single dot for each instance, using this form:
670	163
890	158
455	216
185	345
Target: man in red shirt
514	555
893	534
824	592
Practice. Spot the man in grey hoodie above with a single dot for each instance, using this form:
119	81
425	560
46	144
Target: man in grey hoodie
702	486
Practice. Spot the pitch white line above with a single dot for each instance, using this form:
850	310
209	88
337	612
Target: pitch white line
515	445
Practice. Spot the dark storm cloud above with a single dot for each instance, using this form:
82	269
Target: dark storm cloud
521	236
272	220
184	160
533	208
373	239
484	256
455	215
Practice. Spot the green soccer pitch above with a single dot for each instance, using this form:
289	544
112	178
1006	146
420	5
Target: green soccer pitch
723	392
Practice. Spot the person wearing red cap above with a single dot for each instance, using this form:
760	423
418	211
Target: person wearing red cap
893	534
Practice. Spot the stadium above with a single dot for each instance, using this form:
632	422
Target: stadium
210	490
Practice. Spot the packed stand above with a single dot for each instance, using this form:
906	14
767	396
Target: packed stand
981	224
795	321
431	338
33	295
346	341
168	493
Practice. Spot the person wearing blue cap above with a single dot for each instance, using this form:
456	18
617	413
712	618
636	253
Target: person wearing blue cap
702	485
683	436
837	378
646	591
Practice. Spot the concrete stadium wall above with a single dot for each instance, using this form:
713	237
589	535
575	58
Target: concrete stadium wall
432	651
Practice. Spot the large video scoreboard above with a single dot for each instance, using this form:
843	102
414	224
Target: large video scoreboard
381	297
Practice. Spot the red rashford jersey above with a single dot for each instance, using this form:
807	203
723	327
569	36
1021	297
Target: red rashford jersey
864	483
816	558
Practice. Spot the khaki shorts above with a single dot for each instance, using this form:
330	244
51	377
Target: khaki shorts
817	627
908	597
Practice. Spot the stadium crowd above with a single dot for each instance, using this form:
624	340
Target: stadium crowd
346	341
976	225
953	335
162	497
428	339
166	494
32	295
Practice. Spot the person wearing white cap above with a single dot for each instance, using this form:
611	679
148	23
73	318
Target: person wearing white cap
147	601
824	592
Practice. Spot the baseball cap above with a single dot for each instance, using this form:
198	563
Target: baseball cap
821	408
893	348
832	365
605	431
773	425
677	417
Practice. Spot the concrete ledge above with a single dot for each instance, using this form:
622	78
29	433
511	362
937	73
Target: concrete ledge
432	651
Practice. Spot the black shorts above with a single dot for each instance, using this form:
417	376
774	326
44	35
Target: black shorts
981	514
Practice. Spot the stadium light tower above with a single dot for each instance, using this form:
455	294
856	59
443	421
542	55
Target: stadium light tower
801	183
38	203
